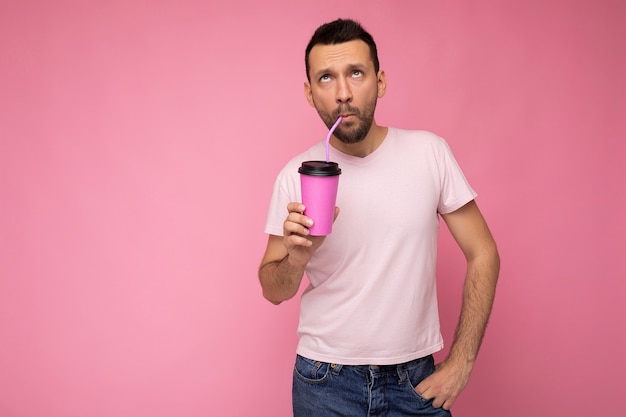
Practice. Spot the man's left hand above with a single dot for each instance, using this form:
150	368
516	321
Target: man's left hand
445	384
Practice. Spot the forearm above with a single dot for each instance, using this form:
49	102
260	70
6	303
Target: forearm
483	265
280	280
478	295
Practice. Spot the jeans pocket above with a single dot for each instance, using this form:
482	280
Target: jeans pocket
418	372
311	371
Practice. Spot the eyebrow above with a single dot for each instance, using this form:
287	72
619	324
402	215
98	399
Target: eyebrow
350	67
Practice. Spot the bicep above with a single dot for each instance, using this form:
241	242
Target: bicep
469	228
275	250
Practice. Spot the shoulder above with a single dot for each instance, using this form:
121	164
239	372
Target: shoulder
424	136
417	138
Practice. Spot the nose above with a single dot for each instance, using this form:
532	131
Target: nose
344	94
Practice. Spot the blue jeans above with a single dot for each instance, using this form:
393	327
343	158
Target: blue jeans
322	390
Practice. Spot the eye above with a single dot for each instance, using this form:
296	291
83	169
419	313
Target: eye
357	74
325	78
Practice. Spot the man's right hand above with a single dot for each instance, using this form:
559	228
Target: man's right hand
286	257
298	242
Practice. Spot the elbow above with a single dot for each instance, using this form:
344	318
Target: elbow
273	296
491	253
275	291
272	299
486	260
495	256
277	297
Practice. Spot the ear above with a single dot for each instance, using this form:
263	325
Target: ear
308	93
382	83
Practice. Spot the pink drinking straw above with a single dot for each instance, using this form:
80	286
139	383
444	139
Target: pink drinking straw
330	133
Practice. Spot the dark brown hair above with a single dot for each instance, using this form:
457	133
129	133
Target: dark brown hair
340	31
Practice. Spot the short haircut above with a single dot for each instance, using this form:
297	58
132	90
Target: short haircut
340	31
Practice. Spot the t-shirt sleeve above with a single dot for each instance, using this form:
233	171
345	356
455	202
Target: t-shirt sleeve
285	191
455	189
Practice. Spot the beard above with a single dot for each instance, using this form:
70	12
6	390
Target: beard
352	131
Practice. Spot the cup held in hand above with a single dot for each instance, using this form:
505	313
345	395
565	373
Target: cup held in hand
319	181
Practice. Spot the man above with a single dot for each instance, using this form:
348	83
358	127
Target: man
368	320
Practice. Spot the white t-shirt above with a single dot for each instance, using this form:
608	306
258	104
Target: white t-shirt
372	296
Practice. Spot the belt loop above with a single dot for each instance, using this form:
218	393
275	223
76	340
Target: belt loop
402	373
335	368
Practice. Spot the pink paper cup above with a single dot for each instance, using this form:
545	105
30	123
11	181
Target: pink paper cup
319	181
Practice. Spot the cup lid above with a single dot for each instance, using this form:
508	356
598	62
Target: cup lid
319	168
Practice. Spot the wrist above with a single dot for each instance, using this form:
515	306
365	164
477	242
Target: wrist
460	358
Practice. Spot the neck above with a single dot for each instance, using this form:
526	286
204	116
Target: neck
369	144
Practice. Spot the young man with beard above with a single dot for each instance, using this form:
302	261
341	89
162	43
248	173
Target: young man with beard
368	320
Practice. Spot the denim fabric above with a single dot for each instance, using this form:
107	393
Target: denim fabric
323	390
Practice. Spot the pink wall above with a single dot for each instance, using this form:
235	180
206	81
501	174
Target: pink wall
138	146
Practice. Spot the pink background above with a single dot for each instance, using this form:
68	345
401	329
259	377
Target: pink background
138	146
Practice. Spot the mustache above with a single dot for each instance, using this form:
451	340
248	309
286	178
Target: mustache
345	109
